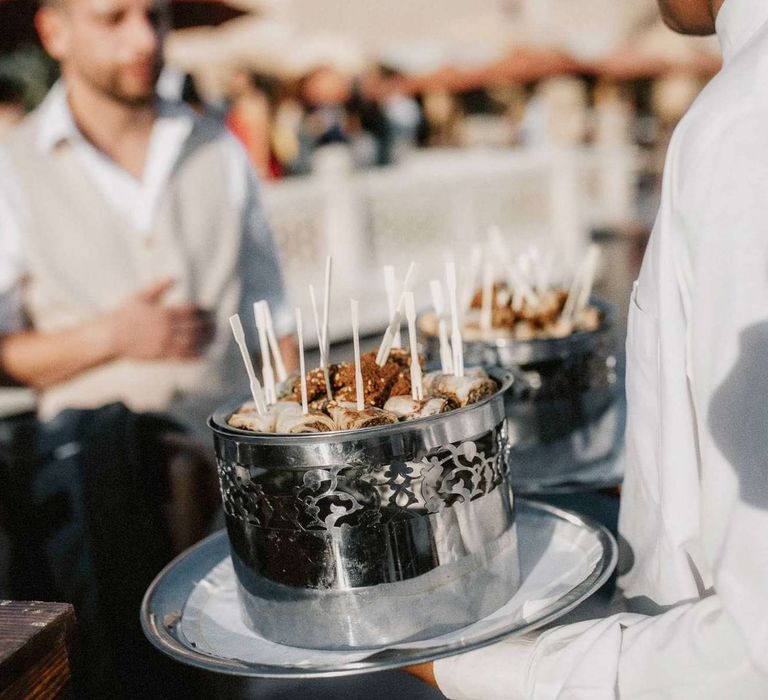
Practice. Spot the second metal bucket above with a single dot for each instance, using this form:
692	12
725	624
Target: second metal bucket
565	411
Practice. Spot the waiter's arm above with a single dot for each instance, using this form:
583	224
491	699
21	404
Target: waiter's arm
141	328
692	651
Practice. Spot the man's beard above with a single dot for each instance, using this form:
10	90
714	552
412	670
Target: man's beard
113	86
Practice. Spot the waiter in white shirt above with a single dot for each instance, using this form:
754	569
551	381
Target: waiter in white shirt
694	513
130	229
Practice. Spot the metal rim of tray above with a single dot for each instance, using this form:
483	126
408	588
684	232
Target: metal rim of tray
164	601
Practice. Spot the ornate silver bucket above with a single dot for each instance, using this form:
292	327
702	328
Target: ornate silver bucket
564	415
366	538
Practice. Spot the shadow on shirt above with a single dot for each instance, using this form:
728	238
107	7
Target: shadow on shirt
738	416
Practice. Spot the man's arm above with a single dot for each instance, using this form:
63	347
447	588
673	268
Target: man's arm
142	328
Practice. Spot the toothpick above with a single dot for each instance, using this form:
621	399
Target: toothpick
266	364
256	391
446	360
486	312
359	393
583	280
468	291
456	341
396	320
390	287
523	290
282	375
323	356
327	304
302	369
588	280
318	327
496	245
546	270
417	390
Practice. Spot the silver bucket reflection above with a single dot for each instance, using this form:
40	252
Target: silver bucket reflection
366	538
564	413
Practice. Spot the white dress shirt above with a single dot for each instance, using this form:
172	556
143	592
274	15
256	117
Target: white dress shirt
135	200
694	514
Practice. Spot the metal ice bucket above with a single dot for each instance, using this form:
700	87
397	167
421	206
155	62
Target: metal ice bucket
564	415
366	538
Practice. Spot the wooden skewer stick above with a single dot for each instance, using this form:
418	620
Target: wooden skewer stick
256	391
523	290
468	290
302	369
456	341
486	312
546	270
327	304
266	364
417	390
359	389
583	276
282	375
318	327
446	358
323	356
390	288
588	280
396	320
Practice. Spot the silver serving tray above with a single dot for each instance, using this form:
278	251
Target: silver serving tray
164	606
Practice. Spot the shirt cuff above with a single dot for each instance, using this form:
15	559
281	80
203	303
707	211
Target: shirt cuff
496	672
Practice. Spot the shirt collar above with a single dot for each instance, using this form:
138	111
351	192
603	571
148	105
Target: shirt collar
737	22
56	123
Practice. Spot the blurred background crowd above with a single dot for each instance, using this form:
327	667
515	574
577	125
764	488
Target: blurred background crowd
293	76
383	130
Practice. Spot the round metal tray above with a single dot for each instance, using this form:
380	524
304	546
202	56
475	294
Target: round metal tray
164	606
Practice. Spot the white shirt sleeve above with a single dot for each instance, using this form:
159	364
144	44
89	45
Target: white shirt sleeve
262	276
692	652
13	219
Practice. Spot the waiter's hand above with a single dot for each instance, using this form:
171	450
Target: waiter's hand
424	672
144	328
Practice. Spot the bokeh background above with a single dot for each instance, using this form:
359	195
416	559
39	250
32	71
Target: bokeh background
386	132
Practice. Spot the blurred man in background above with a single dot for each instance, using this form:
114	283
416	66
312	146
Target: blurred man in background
694	511
132	230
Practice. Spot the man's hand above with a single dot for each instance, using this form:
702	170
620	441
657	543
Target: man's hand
143	328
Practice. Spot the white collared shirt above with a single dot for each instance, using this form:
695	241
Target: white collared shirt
694	511
135	200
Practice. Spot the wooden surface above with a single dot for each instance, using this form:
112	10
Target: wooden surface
36	640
